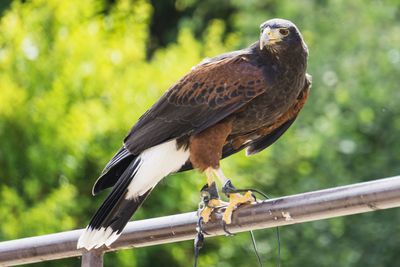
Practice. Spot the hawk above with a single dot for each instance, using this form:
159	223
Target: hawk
244	99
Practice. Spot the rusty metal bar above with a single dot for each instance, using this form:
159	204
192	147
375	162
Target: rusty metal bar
316	205
92	259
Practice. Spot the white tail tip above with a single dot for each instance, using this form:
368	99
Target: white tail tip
95	238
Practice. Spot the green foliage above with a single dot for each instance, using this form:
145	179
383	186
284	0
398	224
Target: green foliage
73	79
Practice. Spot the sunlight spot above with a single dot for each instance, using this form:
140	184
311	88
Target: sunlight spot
330	78
93	28
394	56
347	146
87	68
30	49
3	55
115	57
63	32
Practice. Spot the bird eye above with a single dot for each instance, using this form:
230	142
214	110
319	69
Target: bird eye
284	32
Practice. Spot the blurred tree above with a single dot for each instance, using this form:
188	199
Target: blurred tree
74	76
169	16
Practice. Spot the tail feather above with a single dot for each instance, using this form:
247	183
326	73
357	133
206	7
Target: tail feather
113	170
116	194
115	212
134	178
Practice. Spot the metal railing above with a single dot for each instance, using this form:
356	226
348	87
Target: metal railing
311	206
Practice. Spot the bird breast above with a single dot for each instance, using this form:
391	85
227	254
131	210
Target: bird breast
265	109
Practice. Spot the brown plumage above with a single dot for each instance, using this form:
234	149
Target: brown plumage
238	141
242	99
206	146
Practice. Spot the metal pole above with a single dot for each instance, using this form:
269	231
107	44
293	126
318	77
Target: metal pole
92	259
316	205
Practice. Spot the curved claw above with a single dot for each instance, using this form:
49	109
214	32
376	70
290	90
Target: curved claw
200	226
227	233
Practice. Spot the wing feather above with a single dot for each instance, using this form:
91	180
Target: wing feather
208	94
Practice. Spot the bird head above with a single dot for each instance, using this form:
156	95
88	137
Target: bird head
277	34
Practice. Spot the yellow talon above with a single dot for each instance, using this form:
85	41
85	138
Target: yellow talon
205	213
236	200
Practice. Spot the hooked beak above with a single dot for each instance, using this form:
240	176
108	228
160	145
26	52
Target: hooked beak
269	36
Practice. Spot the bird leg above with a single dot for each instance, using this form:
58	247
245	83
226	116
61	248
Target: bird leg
210	198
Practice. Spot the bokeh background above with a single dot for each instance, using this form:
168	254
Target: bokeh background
75	75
